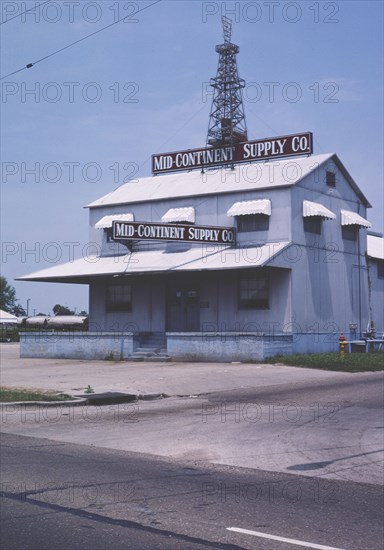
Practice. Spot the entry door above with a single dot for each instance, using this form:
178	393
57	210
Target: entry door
183	308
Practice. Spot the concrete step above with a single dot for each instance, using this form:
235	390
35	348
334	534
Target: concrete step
153	346
146	349
149	356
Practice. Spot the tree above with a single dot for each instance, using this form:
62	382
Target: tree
8	301
62	310
19	311
7	295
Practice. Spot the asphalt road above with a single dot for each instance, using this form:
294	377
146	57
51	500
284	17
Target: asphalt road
239	456
331	428
61	495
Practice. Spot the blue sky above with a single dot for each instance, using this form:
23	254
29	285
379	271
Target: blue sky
100	109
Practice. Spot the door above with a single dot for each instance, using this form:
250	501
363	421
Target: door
183	308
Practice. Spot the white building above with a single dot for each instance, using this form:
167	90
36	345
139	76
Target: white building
302	270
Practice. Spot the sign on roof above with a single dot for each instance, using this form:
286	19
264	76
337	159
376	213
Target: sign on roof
172	232
261	149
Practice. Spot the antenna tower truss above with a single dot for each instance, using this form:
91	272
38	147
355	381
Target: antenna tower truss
227	124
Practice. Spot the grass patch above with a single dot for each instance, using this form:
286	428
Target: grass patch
7	395
353	362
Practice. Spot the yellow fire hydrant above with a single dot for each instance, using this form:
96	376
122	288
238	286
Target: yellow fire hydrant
341	347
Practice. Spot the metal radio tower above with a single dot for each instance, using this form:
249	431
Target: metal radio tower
227	120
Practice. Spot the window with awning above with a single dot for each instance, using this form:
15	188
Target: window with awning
175	215
251	215
352	218
316	209
248	208
314	213
106	221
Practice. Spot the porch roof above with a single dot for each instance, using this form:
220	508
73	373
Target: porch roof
375	247
196	258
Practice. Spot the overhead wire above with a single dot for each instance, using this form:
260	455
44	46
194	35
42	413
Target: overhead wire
30	65
142	163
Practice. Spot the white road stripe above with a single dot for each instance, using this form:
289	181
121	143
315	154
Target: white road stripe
281	539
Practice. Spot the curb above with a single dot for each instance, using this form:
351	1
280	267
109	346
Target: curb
107	398
152	396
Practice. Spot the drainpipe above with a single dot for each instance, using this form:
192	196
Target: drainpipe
122	348
359	273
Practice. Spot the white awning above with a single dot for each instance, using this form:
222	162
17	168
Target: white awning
197	258
317	209
351	218
179	215
106	222
244	208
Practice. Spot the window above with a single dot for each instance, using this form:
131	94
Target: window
252	222
119	297
312	224
380	269
330	178
350	232
254	292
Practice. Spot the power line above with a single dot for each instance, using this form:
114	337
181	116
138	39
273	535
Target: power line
30	65
172	135
23	12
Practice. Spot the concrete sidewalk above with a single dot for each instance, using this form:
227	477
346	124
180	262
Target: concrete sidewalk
173	379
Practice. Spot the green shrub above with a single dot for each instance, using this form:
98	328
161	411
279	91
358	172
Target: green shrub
9	334
353	362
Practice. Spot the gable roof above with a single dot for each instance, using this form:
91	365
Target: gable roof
351	181
6	317
244	177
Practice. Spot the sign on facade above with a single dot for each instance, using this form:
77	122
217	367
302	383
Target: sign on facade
261	149
172	232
